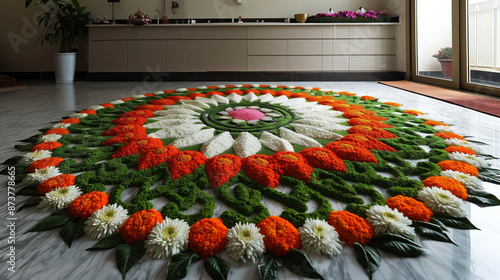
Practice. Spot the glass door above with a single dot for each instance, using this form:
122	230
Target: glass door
435	48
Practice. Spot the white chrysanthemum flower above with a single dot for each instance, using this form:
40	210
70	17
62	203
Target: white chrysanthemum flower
238	86
202	87
255	85
96	107
444	128
41	175
462	143
105	221
119	101
245	242
477	162
61	125
29	158
158	92
49	138
78	115
387	220
167	238
181	89
439	200
308	88
137	96
59	198
221	86
318	237
470	182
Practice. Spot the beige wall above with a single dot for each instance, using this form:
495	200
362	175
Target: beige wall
20	51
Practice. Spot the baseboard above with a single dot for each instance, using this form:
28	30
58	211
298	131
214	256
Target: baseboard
248	76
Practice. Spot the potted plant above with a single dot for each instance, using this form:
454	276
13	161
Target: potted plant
66	21
444	56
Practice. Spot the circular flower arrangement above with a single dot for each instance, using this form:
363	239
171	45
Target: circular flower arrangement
235	144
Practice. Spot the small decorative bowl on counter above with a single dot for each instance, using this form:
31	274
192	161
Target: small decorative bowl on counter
301	18
139	18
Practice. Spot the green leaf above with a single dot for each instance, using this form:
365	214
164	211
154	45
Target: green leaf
368	257
71	231
107	243
12	160
269	266
454	222
179	264
298	263
482	198
32	201
438	223
490	175
27	191
127	255
397	244
432	231
217	268
55	219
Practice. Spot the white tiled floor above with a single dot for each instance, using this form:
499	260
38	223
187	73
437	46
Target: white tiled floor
44	255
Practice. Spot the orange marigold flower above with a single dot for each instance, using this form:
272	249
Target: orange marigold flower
460	149
231	91
282	86
413	112
57	182
293	165
314	98
410	207
125	138
367	142
449	184
193	95
138	147
324	159
394	104
371	131
434	123
207	237
220	169
362	115
176	98
49	146
449	135
161	102
261	169
365	122
86	204
459	166
71	121
137	227
346	93
247	85
124	129
348	151
251	90
149	107
149	94
184	163
60	131
43	163
333	102
300	95
286	93
280	236
88	112
108	105
130	120
157	156
351	228
169	91
212	87
229	86
268	91
368	97
138	113
210	93
127	98
192	89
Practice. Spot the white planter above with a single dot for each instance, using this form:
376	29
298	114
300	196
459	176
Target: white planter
64	67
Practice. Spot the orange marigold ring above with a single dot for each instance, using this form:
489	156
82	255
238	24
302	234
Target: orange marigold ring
207	237
137	227
280	236
86	204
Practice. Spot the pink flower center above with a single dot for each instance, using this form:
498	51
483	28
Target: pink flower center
246	114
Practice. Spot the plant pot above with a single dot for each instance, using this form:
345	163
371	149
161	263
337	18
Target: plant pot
446	66
64	67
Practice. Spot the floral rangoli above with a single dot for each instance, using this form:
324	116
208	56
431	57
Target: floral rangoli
348	170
